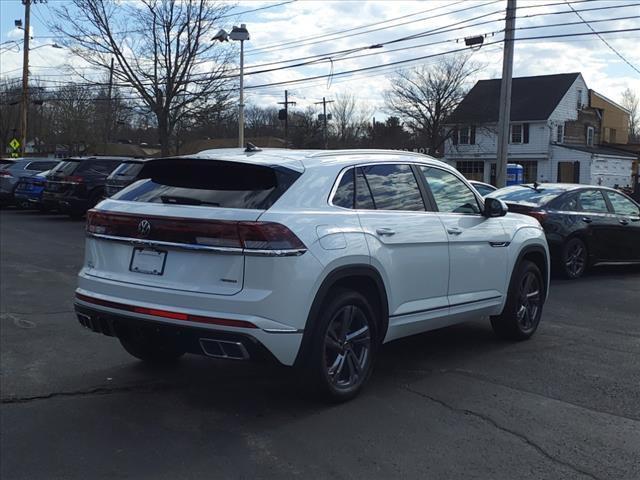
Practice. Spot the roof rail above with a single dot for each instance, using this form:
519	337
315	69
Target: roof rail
365	151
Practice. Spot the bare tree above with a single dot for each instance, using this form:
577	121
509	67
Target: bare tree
425	96
350	118
162	49
631	102
10	90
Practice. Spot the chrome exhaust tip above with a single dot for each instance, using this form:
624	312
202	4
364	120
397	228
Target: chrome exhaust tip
224	349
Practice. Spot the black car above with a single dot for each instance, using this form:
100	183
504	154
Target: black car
125	174
77	184
584	225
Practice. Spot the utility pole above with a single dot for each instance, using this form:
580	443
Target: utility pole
25	77
107	131
324	120
285	116
505	96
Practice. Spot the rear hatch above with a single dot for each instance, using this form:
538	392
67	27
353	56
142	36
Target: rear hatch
125	174
188	225
61	178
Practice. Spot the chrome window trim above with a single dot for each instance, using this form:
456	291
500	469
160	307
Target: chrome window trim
293	252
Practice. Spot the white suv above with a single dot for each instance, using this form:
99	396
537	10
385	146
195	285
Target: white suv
315	258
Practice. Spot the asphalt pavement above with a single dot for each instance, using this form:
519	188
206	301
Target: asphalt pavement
455	403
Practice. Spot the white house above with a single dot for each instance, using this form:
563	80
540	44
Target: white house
554	133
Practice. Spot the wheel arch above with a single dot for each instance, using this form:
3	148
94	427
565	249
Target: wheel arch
539	256
362	278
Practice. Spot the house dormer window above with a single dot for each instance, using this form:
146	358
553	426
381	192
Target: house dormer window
560	134
590	133
516	133
464	135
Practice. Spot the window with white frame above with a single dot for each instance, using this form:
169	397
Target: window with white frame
516	133
464	136
590	132
560	134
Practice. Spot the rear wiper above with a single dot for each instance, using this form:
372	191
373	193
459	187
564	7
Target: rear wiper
185	201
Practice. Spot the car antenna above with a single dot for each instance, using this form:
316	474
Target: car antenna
252	148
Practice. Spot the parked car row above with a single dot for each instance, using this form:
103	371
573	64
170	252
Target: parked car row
71	185
585	225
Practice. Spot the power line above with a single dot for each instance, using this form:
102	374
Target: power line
603	40
256	9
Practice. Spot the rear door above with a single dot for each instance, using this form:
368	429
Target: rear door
477	253
178	229
406	243
627	225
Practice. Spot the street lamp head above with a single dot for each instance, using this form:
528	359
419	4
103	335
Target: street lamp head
221	36
18	23
239	33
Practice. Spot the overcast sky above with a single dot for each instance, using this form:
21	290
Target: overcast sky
295	21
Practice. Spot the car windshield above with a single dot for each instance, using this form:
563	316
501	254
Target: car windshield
527	194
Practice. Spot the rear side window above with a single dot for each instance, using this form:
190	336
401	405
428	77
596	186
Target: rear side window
345	191
98	167
393	187
41	166
128	169
593	201
210	183
67	167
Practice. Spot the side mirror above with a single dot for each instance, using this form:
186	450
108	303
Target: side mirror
494	207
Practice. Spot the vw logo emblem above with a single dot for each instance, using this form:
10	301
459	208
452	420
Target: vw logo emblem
144	228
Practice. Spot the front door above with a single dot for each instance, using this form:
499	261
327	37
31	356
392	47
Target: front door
599	225
408	245
627	226
477	245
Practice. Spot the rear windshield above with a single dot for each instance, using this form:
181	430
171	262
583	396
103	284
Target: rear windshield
66	167
527	194
210	183
128	169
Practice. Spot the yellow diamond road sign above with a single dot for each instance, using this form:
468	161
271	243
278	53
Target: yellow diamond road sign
15	144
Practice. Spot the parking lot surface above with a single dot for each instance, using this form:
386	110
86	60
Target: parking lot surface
454	403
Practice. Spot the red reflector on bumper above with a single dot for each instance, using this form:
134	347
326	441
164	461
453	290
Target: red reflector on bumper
166	314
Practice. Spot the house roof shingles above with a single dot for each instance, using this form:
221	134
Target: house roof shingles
532	98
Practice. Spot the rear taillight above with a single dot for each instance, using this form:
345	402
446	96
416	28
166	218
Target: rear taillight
5	174
539	215
75	179
251	237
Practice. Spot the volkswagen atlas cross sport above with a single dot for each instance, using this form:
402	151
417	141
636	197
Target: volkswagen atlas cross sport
314	258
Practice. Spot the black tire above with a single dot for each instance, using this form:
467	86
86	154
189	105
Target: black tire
345	341
574	258
523	310
148	349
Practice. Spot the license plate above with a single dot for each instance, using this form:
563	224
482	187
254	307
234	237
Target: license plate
148	260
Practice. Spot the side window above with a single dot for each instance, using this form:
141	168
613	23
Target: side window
566	203
394	187
450	193
345	191
364	199
40	166
622	205
593	201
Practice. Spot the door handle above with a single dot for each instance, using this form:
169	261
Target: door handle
587	219
624	221
385	232
454	230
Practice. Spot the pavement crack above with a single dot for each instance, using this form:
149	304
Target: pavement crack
89	392
492	422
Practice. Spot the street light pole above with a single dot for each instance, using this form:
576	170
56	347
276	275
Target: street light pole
25	78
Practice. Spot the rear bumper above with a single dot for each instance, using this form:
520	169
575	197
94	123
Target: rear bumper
191	335
64	203
199	341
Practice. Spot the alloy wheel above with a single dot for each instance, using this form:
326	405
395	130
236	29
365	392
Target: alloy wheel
347	348
576	259
530	298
